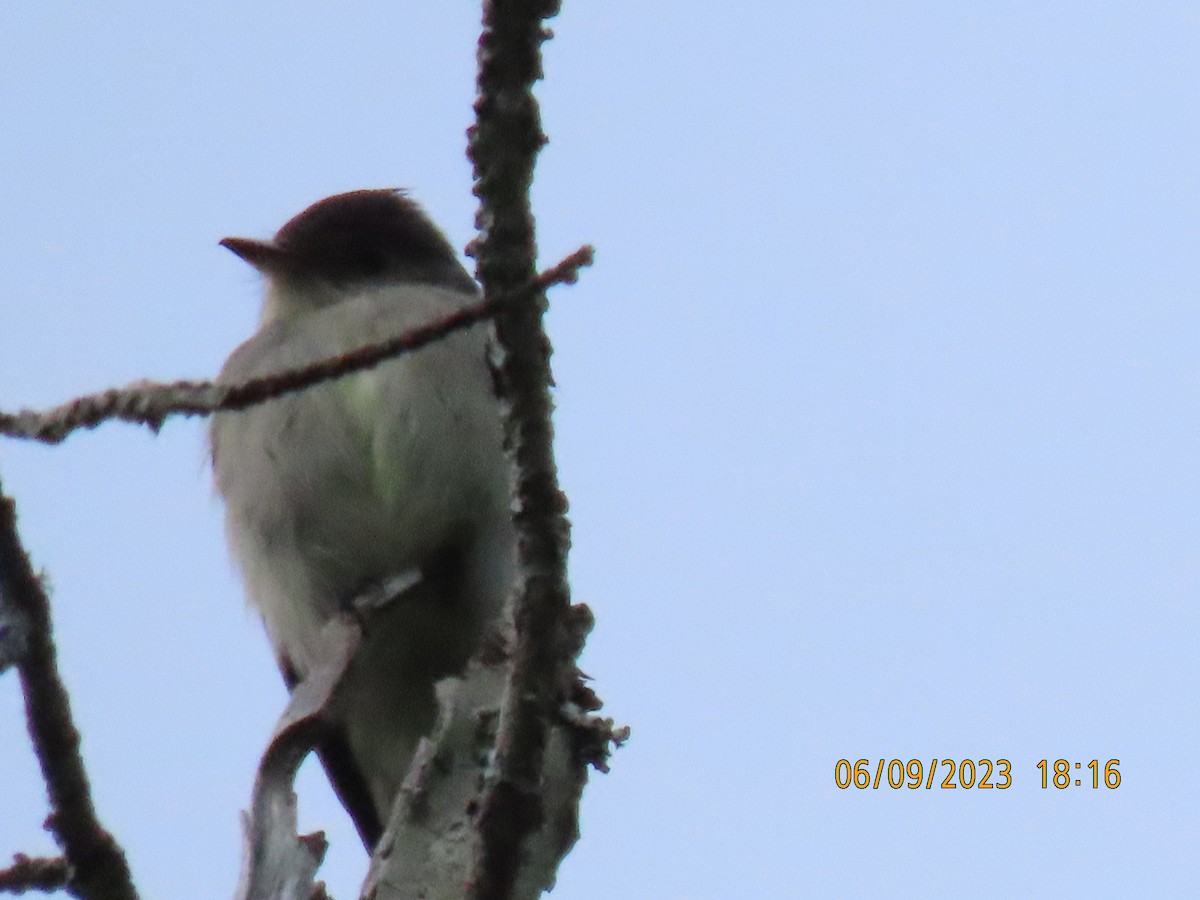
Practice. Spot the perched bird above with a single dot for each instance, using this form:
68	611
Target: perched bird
396	472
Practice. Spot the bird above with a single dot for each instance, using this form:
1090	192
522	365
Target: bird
394	472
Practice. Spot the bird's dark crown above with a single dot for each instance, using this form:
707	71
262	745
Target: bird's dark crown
360	237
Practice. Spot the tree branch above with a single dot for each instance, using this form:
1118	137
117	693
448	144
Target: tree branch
277	864
30	873
531	791
150	404
98	867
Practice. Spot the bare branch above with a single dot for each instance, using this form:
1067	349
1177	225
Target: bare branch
98	867
150	404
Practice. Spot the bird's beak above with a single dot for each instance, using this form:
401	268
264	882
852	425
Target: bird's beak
265	256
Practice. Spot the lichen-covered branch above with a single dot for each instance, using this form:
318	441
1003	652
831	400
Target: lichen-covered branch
516	805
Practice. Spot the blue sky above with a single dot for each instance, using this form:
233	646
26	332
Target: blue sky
878	415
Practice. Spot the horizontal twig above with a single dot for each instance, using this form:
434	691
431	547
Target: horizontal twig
150	403
34	873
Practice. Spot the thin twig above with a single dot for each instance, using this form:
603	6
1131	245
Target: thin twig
34	873
150	404
99	870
